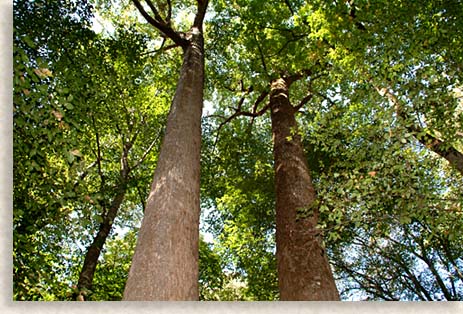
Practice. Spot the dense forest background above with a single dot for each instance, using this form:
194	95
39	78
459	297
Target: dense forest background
377	99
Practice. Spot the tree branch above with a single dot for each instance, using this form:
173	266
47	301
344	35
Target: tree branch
434	271
304	101
160	24
260	99
288	4
142	199
157	16
450	153
161	49
353	16
85	173
169	12
200	14
238	112
261	54
98	153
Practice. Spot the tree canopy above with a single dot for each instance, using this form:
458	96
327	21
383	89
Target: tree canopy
376	89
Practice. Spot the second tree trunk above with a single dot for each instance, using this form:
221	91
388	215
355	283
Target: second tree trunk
304	272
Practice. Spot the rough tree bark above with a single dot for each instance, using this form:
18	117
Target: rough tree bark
165	263
304	272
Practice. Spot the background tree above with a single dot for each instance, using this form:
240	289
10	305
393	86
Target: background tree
124	130
422	112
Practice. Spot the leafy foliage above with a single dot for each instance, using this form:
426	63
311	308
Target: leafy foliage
242	194
384	78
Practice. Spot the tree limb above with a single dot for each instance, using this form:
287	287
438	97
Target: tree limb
200	14
142	198
238	112
157	16
450	153
304	101
160	24
169	12
98	153
288	4
261	54
161	49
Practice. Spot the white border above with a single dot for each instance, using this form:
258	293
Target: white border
6	149
237	307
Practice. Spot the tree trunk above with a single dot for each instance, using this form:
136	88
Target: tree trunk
94	250
303	269
165	263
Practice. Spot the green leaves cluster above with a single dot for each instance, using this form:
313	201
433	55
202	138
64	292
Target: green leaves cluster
240	195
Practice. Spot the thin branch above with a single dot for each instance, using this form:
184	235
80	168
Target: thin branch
85	173
353	16
261	54
332	103
142	199
434	271
147	151
450	257
294	39
145	14
289	7
169	11
453	156
259	99
418	287
126	147
98	154
368	283
289	79
238	112
256	104
161	49
157	16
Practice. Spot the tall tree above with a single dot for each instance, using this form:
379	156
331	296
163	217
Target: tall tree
303	269
165	263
